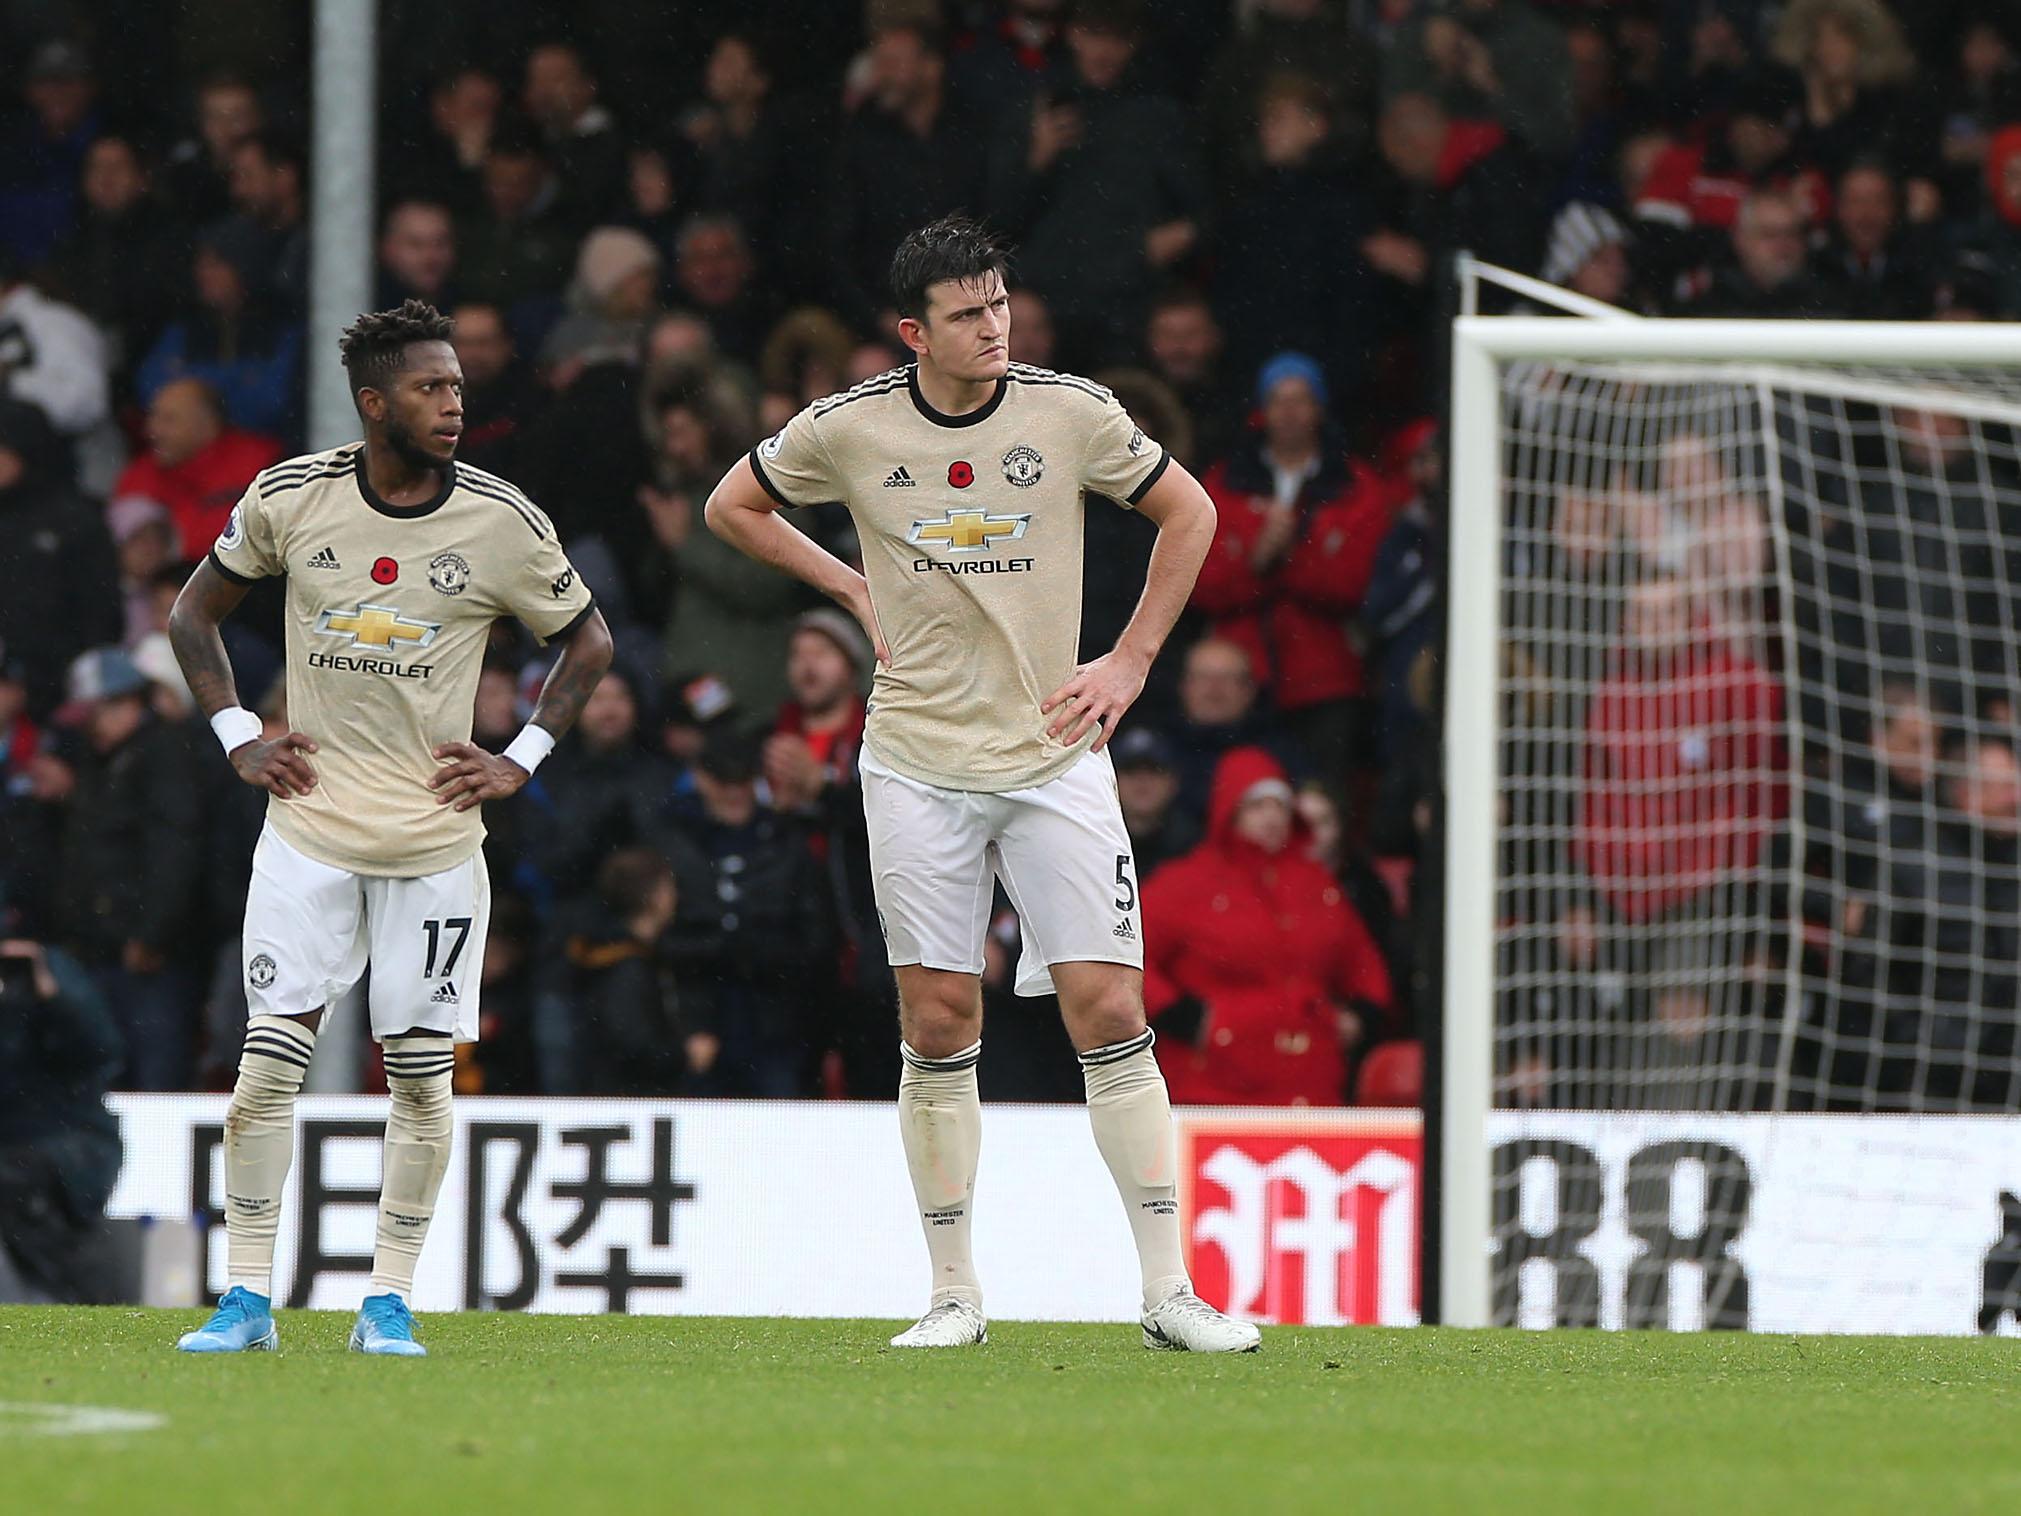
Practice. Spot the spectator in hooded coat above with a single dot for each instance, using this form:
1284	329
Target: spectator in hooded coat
1257	972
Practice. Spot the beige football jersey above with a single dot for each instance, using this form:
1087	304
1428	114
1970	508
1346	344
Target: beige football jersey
388	611
971	529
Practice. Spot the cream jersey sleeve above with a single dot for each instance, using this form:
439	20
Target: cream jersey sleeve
247	548
547	594
794	465
1120	461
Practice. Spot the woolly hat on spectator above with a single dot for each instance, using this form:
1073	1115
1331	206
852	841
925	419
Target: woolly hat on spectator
1141	748
1580	231
104	673
155	658
1290	366
58	59
128	514
1268	789
610	255
696	700
840	628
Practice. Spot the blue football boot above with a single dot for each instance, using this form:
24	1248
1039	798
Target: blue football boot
243	1323
385	1325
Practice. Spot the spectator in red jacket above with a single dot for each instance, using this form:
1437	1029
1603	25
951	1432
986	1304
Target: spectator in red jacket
813	746
1257	972
195	465
1703	184
1300	523
1683	767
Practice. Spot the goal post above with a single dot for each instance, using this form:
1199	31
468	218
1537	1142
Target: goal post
1797	416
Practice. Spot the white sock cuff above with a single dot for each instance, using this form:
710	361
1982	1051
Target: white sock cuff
1121	1068
1117	1052
411	1060
279	1039
954	1063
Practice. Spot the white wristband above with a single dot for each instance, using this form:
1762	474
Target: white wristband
532	745
236	726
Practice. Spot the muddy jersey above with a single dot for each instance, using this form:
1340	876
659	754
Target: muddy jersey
971	529
388	611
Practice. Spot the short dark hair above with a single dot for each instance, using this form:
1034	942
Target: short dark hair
410	202
375	345
952	248
627	878
1118	18
1177	296
280	149
516	137
929	36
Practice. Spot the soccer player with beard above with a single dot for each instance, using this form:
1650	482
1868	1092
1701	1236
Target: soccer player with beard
398	560
983	754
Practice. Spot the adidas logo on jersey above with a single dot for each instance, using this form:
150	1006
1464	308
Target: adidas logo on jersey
326	559
898	479
1123	930
445	993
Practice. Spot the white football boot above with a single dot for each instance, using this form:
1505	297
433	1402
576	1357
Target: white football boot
1184	1323
951	1324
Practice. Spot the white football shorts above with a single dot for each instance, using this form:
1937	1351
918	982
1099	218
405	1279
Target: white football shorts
311	929
1060	849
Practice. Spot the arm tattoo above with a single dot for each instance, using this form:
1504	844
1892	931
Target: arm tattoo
205	601
584	658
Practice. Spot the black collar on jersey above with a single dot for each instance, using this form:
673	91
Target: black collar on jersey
940	418
405	512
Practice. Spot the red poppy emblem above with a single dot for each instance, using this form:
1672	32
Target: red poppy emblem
961	475
385	571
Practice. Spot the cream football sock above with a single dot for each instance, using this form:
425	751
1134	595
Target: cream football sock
260	1144
418	1075
1132	1118
940	1116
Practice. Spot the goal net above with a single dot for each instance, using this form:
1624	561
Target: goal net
1753	896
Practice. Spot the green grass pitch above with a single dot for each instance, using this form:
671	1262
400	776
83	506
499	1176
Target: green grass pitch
610	1414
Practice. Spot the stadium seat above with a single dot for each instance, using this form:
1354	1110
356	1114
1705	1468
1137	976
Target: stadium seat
1393	1074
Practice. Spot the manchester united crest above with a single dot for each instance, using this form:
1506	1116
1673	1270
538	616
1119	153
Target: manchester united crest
1023	466
448	573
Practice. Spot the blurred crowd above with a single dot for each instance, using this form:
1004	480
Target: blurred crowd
1240	217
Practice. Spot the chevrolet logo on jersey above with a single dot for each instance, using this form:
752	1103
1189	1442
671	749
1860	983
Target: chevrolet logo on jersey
968	531
377	626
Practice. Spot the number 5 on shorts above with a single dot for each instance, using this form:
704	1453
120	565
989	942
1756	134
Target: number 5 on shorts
460	925
1128	900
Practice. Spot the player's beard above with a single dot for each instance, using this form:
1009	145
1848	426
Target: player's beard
406	446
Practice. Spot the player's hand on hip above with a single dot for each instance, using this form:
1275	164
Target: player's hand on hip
469	776
280	767
1100	692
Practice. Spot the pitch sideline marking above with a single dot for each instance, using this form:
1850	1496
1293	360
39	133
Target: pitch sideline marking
32	1420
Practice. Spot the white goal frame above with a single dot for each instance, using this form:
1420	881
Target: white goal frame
1472	715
